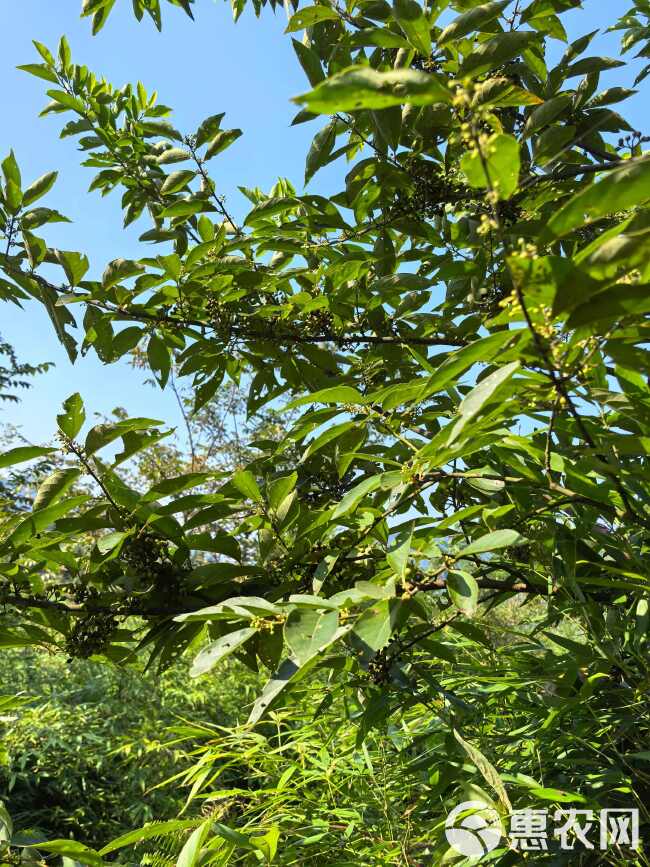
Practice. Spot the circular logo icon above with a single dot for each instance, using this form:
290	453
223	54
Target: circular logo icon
475	834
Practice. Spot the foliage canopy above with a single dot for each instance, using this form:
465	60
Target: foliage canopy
458	339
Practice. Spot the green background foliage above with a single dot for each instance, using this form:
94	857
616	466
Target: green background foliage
423	525
82	758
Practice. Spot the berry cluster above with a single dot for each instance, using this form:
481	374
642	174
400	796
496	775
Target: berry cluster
379	668
220	317
322	486
426	64
430	190
91	634
149	558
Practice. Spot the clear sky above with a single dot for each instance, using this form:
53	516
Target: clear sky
248	70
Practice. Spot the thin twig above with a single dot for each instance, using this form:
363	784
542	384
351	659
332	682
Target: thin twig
188	426
549	437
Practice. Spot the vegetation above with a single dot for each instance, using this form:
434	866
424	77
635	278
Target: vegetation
425	530
84	757
13	373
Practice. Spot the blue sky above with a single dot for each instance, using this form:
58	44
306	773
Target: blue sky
248	70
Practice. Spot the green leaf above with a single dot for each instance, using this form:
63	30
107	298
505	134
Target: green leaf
38	521
120	269
352	499
459	362
177	181
221	141
39	188
302	600
178	484
288	673
149	831
245	482
642	754
398	558
360	87
45	53
309	61
23	453
111	541
491	542
320	150
220	649
54	487
612	95
488	772
6	826
327	436
245	607
208	129
389	124
414	24
11	171
232	836
479	396
342	394
589	65
500	92
74	264
73	849
309	631
374	629
35	248
126	340
186	208
67	100
280	488
496	166
546	113
310	15
620	189
159	358
171	266
101	16
620	300
90	7
173	155
267	844
36	217
65	55
270	208
471	21
73	416
496	51
558	796
463	591
160	128
103	434
191	851
40	71
13	197
59	317
379	37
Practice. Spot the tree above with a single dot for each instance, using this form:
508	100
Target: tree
12	377
463	329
